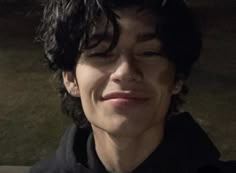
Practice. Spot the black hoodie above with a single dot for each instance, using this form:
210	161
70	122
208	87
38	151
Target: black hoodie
185	149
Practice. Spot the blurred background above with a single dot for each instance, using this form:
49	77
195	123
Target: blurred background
30	118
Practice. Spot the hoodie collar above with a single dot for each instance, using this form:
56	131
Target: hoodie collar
185	148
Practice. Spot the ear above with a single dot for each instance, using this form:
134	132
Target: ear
70	83
177	87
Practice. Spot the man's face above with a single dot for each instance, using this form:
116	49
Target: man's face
128	90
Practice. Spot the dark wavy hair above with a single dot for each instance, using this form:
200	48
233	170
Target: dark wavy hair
66	30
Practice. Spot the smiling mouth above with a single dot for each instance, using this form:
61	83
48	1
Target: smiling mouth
119	99
124	95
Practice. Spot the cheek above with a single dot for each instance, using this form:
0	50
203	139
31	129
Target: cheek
165	79
87	77
161	78
91	82
161	82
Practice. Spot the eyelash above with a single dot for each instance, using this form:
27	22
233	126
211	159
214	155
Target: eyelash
101	55
150	53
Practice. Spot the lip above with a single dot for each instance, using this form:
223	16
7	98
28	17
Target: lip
125	96
122	100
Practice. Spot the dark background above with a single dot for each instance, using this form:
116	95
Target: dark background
30	118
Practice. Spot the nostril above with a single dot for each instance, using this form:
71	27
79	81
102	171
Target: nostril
126	71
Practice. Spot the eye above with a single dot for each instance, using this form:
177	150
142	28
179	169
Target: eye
148	54
102	55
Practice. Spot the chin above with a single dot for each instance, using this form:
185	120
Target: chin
127	129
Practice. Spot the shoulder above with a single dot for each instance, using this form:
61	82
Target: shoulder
56	161
65	159
219	167
45	166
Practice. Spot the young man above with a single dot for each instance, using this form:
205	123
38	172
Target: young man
123	66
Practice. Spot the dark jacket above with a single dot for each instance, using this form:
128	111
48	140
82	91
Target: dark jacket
185	149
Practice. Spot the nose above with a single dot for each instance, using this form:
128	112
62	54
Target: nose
126	70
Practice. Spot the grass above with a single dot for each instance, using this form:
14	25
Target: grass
31	121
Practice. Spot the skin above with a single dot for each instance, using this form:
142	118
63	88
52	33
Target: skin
128	125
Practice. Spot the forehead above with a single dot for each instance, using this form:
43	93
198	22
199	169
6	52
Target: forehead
128	17
143	15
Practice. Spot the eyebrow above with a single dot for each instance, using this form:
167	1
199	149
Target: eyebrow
146	37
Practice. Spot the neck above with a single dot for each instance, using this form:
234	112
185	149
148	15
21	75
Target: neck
123	154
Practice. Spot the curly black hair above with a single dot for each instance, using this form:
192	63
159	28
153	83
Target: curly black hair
66	30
